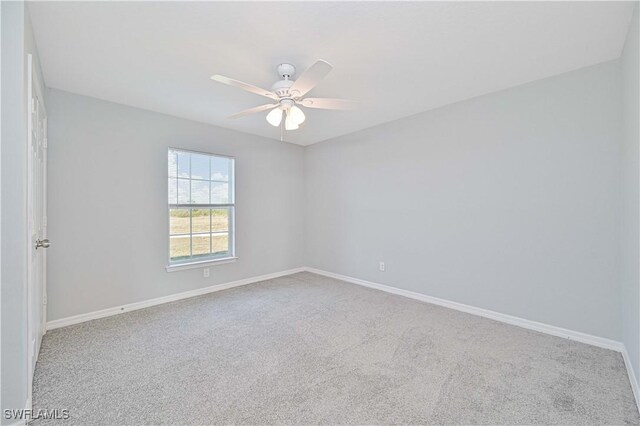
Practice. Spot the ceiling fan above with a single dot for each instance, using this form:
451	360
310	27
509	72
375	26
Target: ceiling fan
287	94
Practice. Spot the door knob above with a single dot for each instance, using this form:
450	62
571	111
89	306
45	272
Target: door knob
42	243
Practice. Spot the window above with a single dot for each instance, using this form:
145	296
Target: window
201	207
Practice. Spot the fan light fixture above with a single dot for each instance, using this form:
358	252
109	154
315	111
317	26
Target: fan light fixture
290	123
275	117
287	94
296	115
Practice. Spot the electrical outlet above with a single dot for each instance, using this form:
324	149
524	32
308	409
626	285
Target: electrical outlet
381	267
206	272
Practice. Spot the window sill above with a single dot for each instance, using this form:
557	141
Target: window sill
199	264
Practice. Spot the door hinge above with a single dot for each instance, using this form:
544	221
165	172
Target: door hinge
45	143
44	300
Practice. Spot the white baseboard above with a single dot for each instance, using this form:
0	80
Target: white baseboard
76	319
632	375
508	319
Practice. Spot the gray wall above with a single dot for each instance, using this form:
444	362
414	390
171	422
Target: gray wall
509	202
14	356
108	218
630	185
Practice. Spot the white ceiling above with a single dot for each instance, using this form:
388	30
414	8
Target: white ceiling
398	59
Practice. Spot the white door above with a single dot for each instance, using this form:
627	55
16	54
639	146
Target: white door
37	221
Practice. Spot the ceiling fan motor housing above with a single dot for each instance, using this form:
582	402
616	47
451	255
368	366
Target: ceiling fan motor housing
281	88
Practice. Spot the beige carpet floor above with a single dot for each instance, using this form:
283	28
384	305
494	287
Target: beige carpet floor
306	349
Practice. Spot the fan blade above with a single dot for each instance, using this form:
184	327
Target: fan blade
253	110
310	78
244	86
328	103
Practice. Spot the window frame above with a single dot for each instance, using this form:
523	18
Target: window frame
204	261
